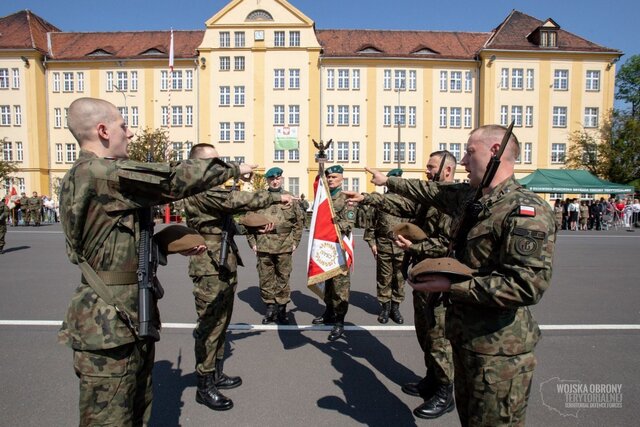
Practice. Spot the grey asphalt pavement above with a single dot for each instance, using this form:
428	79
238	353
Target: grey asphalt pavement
295	377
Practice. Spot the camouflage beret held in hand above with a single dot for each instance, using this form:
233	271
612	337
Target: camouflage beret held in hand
177	238
254	220
409	231
450	267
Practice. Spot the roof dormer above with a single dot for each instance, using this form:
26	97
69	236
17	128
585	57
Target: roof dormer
546	35
368	48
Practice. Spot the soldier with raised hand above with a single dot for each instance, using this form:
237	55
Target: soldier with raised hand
389	280
508	237
274	251
101	196
215	279
4	216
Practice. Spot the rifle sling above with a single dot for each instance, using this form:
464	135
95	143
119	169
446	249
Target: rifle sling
112	278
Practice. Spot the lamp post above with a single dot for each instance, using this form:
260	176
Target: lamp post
399	121
126	109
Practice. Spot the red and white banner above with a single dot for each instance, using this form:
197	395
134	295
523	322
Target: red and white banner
326	254
11	198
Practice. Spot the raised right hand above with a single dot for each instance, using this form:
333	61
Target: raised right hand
378	177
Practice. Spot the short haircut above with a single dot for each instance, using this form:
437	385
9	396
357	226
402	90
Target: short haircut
496	133
198	149
85	114
450	159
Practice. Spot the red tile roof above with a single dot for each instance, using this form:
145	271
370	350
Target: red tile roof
24	30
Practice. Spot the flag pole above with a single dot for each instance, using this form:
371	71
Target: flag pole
167	209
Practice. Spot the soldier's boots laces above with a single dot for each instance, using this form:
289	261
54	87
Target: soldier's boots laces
383	317
327	318
270	316
424	388
223	381
281	315
207	394
394	314
338	329
440	404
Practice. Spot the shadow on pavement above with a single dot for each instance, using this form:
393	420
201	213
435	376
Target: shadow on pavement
16	249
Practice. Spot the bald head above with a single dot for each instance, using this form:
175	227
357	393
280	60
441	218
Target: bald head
203	151
493	134
84	116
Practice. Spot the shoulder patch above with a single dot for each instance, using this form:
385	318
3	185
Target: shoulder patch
525	210
526	246
351	215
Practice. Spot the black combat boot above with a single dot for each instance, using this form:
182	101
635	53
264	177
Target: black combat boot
440	404
383	317
327	318
223	381
338	328
424	388
270	316
394	314
207	394
282	314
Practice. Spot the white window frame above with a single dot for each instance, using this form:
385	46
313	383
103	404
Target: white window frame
225	96
225	132
561	80
238	63
468	81
412	116
444	80
517	78
224	39
80	78
15	81
386	79
330	115
355	151
188	80
528	152
504	115
238	132
331	79
530	79
17	115
239	39
592	81
188	120
413	79
558	153
294	38
455	81
504	78
278	39
355	115
294	78
411	152
559	118
355	79
343	79
343	115
278	115
342	151
55	77
528	116
59	153
455	117
19	151
516	115
135	117
386	152
443	117
386	115
278	79
591	115
294	115
238	96
225	63
467	118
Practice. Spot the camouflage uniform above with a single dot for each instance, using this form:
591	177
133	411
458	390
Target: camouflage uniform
99	204
489	324
4	215
24	207
274	251
35	209
214	293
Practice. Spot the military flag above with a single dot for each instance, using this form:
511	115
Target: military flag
286	138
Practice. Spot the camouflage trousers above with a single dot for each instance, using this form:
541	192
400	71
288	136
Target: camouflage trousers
3	232
336	293
26	216
389	280
492	390
429	320
274	271
36	216
214	306
115	384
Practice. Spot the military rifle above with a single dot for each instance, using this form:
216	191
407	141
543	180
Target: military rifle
228	231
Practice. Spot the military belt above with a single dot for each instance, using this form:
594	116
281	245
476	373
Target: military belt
112	278
283	230
213	237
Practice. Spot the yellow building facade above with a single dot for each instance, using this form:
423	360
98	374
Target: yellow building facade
385	98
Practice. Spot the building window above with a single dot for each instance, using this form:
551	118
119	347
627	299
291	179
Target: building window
504	113
278	78
386	80
504	78
398	152
528	151
443	117
278	115
134	81
456	81
225	96
238	132
443	81
530	79
294	115
135	117
164	80
558	153
343	115
294	78
559	117
294	38
516	115
80	76
386	152
176	80
188	80
188	115
345	184
225	39
16	78
355	151
17	112
176	115
4	78
59	154
590	117
386	115
343	151
330	154
66	116
176	151
454	148
225	131
355	79
238	39
400	81
411	152
278	39
7	151
71	152
19	151
467	118
548	38
294	186
165	116
528	116
57	118
355	184
355	115
330	115
238	63
399	117
412	79
412	116
238	95
225	63
517	77
593	80
55	77
330	79
5	115
468	81
561	80
68	82
294	155
343	79
278	155
123	81
455	118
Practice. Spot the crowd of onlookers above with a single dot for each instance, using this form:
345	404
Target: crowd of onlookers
32	210
603	214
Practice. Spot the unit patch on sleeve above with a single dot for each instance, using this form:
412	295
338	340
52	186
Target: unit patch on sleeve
524	210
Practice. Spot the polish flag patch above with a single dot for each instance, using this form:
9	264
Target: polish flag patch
526	211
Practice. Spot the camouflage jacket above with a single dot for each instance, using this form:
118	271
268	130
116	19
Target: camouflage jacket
206	213
24	203
344	214
378	232
288	221
99	204
4	213
34	203
511	245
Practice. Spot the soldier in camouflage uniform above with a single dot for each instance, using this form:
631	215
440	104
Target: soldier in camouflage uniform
100	198
389	280
35	209
4	216
510	243
336	294
24	208
275	249
214	280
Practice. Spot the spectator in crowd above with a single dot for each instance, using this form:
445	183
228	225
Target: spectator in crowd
574	210
558	212
584	215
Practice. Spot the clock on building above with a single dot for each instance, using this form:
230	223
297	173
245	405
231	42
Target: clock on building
258	35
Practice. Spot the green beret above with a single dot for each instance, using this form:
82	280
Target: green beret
254	220
395	172
273	172
334	169
177	238
409	231
450	267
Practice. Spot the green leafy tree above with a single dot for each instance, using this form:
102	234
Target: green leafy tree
628	84
6	168
154	142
